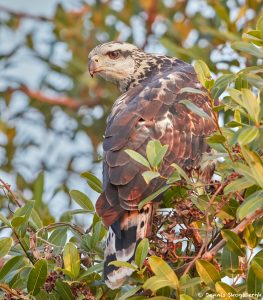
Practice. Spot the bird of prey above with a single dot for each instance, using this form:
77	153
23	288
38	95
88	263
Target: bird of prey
149	108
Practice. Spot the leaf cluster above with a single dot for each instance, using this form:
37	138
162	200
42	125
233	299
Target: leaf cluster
207	238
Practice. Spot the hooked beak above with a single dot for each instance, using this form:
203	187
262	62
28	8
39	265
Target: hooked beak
93	66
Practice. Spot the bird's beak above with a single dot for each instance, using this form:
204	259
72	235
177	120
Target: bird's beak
92	67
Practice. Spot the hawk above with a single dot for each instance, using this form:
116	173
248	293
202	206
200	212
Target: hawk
148	109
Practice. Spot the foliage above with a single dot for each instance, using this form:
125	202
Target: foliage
209	238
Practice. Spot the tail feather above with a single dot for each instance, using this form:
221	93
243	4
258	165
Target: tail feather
134	226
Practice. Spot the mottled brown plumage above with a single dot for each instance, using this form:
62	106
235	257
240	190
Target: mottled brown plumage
148	109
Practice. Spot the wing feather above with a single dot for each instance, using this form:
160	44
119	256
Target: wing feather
152	112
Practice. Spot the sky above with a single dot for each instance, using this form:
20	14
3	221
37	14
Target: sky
30	72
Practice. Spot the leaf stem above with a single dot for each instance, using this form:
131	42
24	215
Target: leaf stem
7	187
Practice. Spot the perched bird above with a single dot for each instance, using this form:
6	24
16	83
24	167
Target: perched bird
149	108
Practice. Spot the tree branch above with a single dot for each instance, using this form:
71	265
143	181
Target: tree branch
238	229
69	102
210	254
13	292
23	15
77	13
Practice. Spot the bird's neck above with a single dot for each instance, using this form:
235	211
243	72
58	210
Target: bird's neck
146	66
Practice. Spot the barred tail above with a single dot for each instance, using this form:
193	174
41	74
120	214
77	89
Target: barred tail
121	244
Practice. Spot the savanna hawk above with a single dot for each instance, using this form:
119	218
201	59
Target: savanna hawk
148	109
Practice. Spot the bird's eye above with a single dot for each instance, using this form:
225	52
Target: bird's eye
114	54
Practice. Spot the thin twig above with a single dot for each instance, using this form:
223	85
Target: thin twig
238	229
191	264
7	187
22	246
204	245
210	254
63	224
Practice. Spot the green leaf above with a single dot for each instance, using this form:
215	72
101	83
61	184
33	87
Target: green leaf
25	212
228	211
254	284
71	260
173	178
157	298
255	164
37	277
39	189
148	176
251	204
245	171
36	219
247	135
58	238
64	290
257	266
14	264
247	48
185	297
141	252
233	242
153	196
258	225
94	269
230	261
191	90
200	203
216	138
5	246
162	269
221	84
238	185
124	264
253	36
130	293
93	181
43	295
157	282
225	291
236	96
17	221
199	111
180	171
187	282
250	236
259	25
251	103
82	200
207	272
202	71
233	124
138	157
4	220
155	152
98	233
79	211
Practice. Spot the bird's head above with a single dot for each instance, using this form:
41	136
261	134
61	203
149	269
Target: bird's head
114	62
